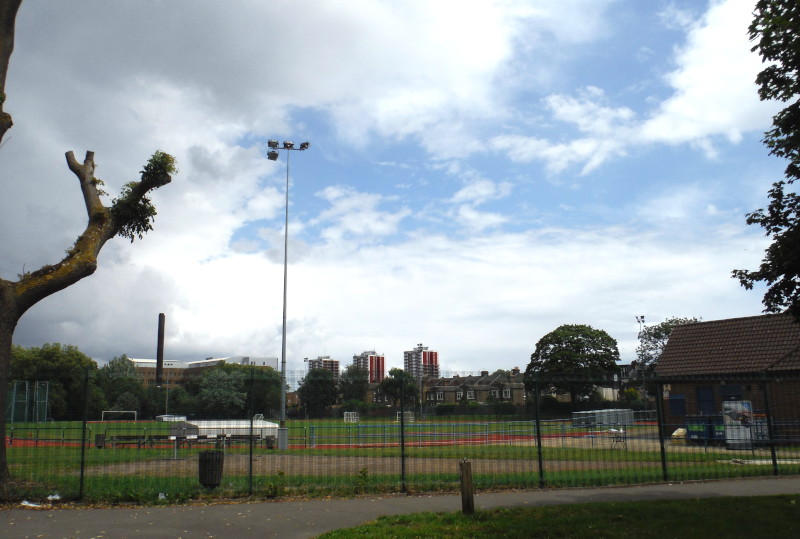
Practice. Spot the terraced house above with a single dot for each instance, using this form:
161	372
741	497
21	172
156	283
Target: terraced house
498	387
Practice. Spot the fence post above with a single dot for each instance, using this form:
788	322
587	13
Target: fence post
83	431
660	416
467	488
538	429
402	435
250	438
770	438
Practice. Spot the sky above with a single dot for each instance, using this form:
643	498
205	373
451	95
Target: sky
479	172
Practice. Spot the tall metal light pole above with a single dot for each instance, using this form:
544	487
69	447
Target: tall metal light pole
272	155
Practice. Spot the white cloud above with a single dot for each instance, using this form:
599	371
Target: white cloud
677	17
606	133
472	298
478	221
713	83
439	252
482	190
355	214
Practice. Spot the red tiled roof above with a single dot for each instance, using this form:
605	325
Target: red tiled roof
737	345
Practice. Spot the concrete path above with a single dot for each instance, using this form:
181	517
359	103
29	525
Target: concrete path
292	519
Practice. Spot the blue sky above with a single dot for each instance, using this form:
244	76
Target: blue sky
479	172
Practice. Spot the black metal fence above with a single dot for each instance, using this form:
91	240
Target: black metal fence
685	429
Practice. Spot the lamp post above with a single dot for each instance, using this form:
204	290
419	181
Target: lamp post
272	155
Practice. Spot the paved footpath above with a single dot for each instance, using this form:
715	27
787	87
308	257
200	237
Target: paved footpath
310	518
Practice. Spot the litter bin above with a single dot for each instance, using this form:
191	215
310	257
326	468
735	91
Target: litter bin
100	440
211	468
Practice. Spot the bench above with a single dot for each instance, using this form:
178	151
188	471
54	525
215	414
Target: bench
137	440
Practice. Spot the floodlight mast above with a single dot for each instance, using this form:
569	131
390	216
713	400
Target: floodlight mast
272	155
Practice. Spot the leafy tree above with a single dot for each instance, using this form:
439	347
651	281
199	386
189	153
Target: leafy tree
126	401
264	383
397	379
653	339
222	393
572	353
266	391
118	377
776	31
317	392
130	215
65	369
353	383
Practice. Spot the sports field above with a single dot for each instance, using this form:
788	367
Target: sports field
147	461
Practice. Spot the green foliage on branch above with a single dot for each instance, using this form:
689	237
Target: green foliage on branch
223	393
653	339
64	367
776	31
399	379
353	383
317	392
573	352
133	210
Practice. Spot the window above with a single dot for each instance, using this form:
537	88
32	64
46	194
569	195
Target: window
470	394
507	393
495	393
705	400
459	395
439	396
730	392
677	405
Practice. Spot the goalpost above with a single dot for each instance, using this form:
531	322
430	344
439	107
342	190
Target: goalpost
408	418
119	412
351	417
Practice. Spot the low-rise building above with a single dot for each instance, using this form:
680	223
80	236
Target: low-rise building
498	387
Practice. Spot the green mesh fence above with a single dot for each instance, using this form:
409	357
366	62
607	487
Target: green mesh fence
546	444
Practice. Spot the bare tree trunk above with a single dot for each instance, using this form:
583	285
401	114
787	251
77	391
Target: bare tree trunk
8	17
8	320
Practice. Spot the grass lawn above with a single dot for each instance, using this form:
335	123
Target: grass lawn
750	517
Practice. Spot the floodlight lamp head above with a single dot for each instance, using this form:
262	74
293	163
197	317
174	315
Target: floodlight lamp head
272	143
288	145
272	155
304	145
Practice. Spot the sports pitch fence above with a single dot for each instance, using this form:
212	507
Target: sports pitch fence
158	462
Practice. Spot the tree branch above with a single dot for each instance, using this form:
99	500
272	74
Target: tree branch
8	17
85	174
103	224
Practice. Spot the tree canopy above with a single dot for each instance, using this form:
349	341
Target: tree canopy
775	29
572	352
65	368
317	392
392	384
353	383
653	339
121	384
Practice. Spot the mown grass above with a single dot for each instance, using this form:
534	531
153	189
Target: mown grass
160	487
750	517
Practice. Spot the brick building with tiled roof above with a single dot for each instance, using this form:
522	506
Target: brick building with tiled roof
754	359
499	387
